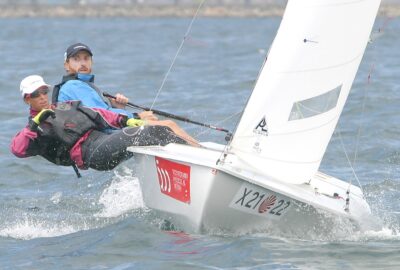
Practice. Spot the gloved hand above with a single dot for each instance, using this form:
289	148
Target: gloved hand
132	122
39	118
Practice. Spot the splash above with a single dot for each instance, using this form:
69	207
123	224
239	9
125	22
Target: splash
29	229
121	196
56	198
379	235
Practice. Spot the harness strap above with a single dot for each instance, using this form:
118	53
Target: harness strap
60	150
99	92
76	171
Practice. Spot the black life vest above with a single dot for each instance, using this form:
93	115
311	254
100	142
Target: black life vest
58	135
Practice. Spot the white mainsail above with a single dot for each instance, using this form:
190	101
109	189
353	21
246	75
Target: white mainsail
303	86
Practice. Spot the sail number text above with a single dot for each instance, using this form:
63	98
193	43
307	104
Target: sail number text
256	201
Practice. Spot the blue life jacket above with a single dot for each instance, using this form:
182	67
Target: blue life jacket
81	87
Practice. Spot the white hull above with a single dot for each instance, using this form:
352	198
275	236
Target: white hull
204	196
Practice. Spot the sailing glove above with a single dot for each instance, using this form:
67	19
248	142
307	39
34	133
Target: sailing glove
132	122
39	118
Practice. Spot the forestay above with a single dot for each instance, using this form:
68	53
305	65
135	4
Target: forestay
303	86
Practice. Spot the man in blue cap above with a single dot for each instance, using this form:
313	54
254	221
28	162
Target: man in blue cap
78	84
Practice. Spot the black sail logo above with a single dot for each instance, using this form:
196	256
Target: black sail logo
262	128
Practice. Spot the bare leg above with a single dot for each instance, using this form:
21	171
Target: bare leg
175	128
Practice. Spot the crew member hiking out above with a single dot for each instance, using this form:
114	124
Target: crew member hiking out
71	134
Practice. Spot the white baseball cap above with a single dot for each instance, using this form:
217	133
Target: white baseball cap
31	83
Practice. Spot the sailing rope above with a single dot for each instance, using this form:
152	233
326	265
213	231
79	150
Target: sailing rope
178	51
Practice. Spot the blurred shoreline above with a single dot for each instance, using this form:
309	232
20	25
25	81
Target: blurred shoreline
52	11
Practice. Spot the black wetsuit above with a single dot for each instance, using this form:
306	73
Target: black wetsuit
105	151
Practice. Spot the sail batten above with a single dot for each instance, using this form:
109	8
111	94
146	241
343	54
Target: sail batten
303	87
356	58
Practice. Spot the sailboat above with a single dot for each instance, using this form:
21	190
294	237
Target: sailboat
267	175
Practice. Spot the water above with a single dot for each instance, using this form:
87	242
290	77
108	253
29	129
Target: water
49	219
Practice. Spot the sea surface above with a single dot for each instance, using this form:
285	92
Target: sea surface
49	219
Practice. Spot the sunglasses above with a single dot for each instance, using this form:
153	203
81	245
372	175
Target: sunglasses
39	92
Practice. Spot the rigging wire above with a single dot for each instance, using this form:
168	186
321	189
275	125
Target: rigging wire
218	123
186	36
362	116
224	153
352	164
178	52
348	160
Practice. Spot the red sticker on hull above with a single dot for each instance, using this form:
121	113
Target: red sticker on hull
267	204
174	179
